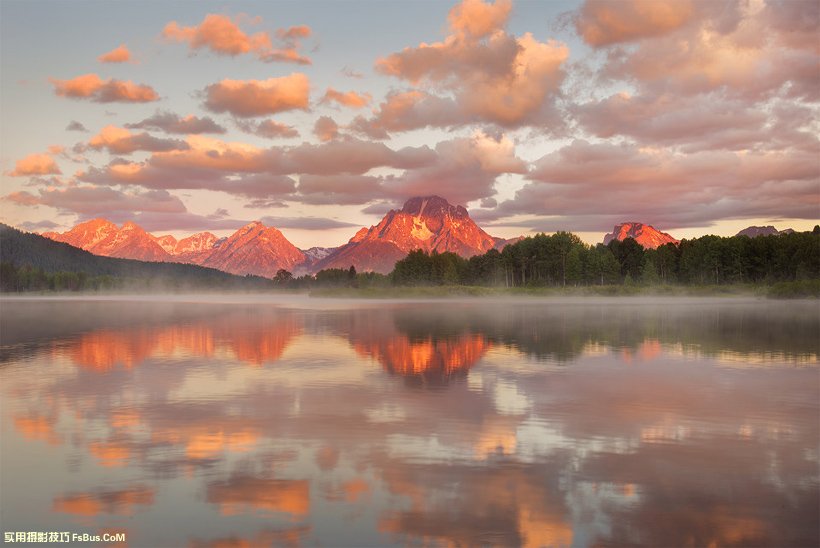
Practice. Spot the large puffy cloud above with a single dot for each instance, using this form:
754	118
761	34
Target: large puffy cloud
594	185
119	140
92	87
248	98
339	189
174	123
222	35
119	54
491	75
35	164
689	48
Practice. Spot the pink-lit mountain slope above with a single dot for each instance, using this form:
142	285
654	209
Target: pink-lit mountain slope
428	223
646	235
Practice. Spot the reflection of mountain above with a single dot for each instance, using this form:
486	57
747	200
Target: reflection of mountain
439	358
254	340
409	346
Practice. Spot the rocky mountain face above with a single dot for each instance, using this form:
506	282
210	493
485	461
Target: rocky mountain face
646	235
429	223
103	237
755	231
253	249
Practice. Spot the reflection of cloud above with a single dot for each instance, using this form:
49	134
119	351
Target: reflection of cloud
292	536
38	427
242	493
111	454
121	502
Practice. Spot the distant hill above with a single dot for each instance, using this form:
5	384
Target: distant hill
26	249
755	231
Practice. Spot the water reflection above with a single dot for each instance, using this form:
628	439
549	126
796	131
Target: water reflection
557	424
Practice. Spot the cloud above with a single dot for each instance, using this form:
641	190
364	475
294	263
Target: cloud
607	22
35	164
75	126
727	47
99	200
338	189
39	226
118	140
223	36
173	123
92	87
348	99
326	129
475	19
351	73
464	170
594	185
482	73
695	124
306	223
268	128
116	55
248	98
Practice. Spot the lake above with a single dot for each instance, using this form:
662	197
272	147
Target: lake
288	421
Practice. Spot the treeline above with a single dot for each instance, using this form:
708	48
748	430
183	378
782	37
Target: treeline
562	259
30	262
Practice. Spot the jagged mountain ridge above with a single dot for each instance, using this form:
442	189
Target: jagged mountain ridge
755	231
646	235
429	223
253	249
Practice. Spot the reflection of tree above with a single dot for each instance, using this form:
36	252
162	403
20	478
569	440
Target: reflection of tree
561	332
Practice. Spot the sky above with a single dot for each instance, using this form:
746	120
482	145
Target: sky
698	117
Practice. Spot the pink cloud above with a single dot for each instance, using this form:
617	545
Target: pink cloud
493	77
173	123
602	182
119	140
248	98
91	86
348	99
268	128
475	19
116	55
222	35
606	22
326	129
35	164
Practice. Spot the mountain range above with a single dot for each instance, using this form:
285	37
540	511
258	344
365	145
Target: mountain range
429	223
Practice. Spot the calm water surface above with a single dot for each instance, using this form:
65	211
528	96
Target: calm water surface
338	423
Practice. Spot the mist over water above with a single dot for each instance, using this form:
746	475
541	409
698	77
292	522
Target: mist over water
199	420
